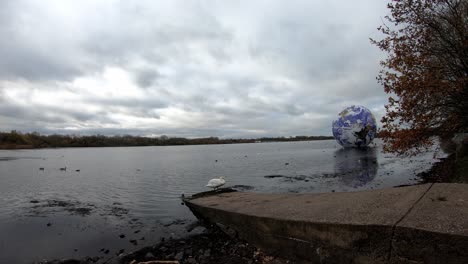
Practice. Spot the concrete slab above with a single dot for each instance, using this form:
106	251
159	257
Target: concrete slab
379	207
416	224
322	228
436	229
443	209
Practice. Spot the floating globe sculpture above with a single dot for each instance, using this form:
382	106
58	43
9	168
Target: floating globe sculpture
355	127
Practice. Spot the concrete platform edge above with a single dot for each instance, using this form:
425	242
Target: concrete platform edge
334	242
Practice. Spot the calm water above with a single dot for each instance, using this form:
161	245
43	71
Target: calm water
134	191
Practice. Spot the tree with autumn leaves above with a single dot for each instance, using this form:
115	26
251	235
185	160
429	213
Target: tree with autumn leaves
425	72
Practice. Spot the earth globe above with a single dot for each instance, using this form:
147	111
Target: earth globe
355	127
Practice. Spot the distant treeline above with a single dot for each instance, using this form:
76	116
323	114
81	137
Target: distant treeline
15	140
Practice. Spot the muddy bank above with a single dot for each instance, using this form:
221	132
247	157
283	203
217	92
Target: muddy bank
46	207
450	169
442	171
210	246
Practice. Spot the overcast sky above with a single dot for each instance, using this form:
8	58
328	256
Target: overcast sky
187	68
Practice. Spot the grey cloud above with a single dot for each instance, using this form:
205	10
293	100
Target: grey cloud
251	69
40	115
310	52
134	107
157	41
24	114
19	60
20	57
41	48
149	103
146	78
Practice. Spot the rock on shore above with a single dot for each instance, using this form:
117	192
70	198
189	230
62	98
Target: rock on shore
210	247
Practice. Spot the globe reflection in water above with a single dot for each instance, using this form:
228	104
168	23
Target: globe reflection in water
356	167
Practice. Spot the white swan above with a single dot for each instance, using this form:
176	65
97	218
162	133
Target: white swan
216	183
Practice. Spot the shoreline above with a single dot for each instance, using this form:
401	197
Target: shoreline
440	172
212	246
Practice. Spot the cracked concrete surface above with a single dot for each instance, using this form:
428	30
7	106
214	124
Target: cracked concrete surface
421	224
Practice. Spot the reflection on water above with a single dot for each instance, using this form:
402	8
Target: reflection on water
356	167
125	198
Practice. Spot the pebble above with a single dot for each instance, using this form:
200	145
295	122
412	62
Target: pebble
190	261
90	260
179	256
149	256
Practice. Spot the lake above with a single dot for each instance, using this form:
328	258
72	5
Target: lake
110	200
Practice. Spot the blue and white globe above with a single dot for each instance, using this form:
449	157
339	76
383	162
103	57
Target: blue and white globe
355	127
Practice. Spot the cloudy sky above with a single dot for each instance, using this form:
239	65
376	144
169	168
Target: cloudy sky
187	68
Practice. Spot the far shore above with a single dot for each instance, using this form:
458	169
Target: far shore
29	141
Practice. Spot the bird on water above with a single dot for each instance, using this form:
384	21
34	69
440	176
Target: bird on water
216	183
